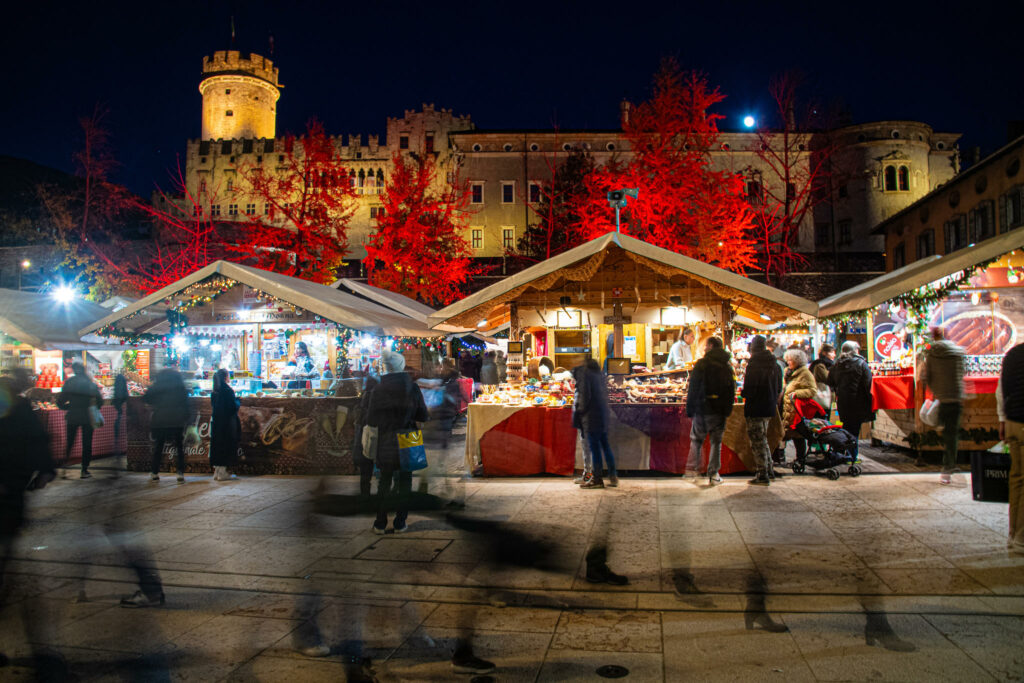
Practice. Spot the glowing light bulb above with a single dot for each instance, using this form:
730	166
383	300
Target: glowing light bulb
64	294
749	121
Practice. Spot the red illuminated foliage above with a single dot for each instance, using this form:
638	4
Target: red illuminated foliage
417	247
684	205
309	202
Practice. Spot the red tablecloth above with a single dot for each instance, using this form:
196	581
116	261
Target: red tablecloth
982	384
466	384
531	441
894	392
102	439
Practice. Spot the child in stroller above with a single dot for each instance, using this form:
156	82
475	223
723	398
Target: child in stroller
830	445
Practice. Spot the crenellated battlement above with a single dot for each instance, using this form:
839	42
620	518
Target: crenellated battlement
231	61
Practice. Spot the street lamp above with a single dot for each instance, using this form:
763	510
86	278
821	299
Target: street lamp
25	265
619	199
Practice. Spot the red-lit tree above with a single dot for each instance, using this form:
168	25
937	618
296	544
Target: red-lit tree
792	176
684	204
417	247
309	202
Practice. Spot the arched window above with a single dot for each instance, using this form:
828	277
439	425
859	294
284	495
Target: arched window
352	178
904	179
890	178
362	178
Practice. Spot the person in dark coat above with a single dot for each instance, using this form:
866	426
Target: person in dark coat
594	417
25	464
762	387
1010	410
451	400
709	399
77	395
395	405
579	375
169	399
225	428
850	380
365	464
120	398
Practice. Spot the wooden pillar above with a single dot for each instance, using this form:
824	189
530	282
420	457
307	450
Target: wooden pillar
514	331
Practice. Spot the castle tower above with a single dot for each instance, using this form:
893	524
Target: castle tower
239	96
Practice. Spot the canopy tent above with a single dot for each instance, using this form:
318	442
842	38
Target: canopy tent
149	313
645	274
405	305
40	321
918	274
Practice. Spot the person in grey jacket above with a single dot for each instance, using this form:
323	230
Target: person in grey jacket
943	374
169	399
77	395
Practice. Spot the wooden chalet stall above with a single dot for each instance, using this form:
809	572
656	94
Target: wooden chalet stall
619	301
296	416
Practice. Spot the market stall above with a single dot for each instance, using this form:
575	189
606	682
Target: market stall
284	341
611	300
977	295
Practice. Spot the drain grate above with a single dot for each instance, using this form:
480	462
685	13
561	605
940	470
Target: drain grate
612	671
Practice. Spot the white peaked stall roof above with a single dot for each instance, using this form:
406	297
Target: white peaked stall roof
725	283
397	302
918	274
329	303
40	321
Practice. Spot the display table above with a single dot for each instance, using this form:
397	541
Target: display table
279	436
522	440
895	392
103	441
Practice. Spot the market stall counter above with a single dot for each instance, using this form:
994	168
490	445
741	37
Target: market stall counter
104	442
279	436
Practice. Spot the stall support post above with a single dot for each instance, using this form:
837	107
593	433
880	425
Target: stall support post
514	331
870	322
727	315
616	320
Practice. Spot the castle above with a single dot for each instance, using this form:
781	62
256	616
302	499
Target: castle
888	164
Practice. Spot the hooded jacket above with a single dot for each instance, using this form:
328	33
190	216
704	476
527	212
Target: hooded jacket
820	368
712	389
801	385
850	379
762	384
944	371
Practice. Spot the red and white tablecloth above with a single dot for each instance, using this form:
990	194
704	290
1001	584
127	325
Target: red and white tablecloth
103	442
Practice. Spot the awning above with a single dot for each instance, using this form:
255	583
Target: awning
584	263
918	274
40	321
405	305
328	303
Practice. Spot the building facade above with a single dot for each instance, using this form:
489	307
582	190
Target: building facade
878	168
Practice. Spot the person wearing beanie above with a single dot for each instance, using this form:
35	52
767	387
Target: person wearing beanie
762	385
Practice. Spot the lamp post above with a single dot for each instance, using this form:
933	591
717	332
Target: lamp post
619	199
25	265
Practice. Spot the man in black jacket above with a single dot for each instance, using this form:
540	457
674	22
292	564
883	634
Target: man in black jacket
709	402
762	386
850	379
77	395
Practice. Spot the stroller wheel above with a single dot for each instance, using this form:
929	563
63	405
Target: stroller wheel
798	467
832	474
855	470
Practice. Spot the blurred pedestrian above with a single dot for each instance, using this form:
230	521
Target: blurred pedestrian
169	399
800	384
120	398
78	394
709	400
489	370
594	417
362	460
1010	407
25	464
452	398
226	429
762	387
396	405
579	374
850	380
501	362
943	374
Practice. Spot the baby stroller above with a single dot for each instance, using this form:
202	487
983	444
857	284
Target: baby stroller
829	446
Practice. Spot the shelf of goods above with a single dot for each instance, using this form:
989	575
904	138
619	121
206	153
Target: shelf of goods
527	429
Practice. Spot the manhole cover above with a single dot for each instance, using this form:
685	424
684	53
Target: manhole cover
612	671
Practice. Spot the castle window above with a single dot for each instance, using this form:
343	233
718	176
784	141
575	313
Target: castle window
204	149
376	212
229	113
477	147
359	155
266	209
232	160
362	178
225	147
259	158
926	243
215	210
268	146
250	209
380	178
508	239
982	221
246	146
507	147
227	91
1010	205
508	192
202	186
195	209
232	209
822	235
534	192
476	238
202	160
956	233
403	142
352	178
903	175
280	158
534	147
845	232
476	192
429	144
899	256
755	193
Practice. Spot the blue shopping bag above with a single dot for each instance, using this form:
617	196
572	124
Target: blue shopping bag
412	455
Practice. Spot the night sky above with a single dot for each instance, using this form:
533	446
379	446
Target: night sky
507	64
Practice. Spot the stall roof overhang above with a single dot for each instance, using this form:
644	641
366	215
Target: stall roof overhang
918	274
418	311
331	304
40	321
726	284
